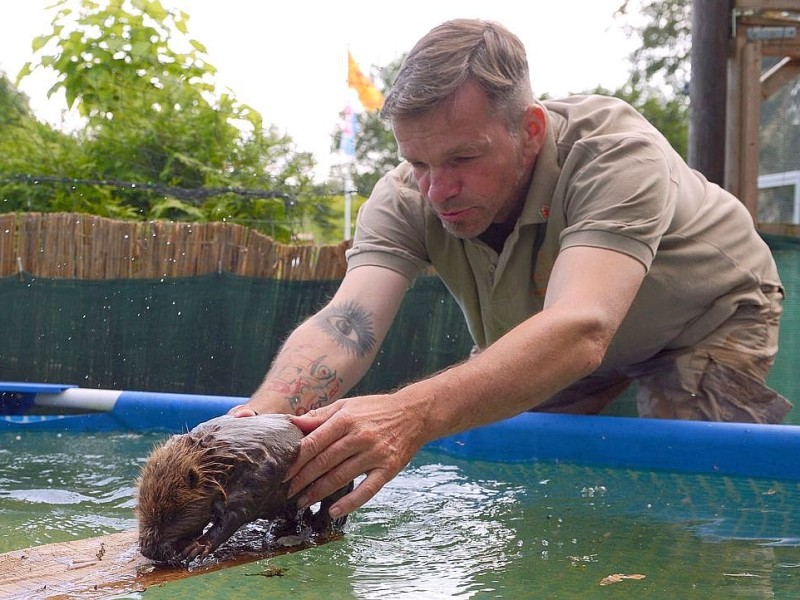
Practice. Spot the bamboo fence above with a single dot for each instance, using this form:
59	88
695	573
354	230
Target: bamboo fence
80	246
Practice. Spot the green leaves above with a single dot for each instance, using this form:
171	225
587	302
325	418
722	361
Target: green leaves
153	117
169	207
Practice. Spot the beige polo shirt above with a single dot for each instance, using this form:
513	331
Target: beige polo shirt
604	178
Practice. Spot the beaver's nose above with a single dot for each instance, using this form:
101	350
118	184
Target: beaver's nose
151	549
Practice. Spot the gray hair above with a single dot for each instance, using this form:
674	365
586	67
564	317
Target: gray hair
484	52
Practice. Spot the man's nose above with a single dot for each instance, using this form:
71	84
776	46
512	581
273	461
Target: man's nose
443	184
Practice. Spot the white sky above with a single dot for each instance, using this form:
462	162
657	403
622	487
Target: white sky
288	58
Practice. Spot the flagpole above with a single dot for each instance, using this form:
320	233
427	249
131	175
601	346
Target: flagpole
347	148
348	198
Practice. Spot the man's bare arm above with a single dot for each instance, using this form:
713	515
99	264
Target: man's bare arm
588	296
307	379
330	352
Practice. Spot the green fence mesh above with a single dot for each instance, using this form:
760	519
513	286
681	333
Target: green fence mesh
216	334
211	334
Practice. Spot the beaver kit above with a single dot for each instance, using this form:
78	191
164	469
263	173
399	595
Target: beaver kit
225	472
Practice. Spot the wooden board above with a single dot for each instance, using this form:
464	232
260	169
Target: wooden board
109	565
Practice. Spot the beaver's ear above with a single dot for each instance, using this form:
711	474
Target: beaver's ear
193	478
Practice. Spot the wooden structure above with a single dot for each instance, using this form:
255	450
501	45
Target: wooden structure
760	28
80	246
111	566
98	567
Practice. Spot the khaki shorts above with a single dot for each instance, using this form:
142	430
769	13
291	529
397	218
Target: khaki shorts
719	379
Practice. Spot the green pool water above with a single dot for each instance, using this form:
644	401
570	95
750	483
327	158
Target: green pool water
448	528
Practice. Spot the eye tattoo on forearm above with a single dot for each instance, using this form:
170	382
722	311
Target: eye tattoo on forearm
350	326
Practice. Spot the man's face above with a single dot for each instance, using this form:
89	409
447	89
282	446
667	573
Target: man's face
468	166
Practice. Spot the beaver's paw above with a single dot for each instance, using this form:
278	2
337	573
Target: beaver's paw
321	521
196	549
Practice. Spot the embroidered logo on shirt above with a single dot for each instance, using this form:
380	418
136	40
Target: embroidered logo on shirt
544	212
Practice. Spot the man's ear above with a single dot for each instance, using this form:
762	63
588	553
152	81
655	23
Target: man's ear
534	128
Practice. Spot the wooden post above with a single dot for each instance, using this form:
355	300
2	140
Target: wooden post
744	119
708	87
750	122
761	28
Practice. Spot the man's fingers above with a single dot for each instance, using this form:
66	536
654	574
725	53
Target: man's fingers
337	479
333	475
360	495
314	445
242	410
319	455
309	421
344	441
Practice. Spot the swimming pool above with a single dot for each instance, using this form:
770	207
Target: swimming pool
449	527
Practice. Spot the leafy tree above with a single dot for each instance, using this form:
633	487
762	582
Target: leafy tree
664	27
659	68
154	118
30	149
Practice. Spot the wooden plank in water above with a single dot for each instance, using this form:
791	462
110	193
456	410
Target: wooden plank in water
109	565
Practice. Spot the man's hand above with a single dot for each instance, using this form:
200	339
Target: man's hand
243	410
372	435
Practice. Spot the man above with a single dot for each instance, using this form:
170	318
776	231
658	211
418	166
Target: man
583	251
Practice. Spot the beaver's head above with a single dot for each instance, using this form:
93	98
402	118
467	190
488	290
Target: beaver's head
176	493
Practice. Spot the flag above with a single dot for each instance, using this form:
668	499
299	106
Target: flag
347	143
371	97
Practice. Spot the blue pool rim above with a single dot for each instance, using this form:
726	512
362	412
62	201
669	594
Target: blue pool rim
737	449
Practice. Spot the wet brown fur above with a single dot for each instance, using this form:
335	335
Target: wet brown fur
226	471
